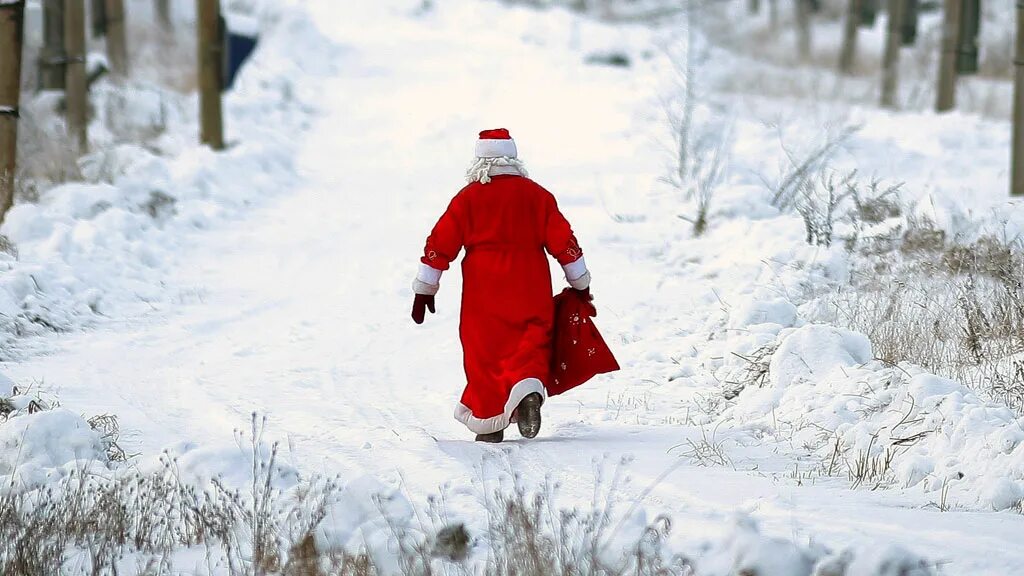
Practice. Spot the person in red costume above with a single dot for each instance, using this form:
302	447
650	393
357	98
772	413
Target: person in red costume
505	222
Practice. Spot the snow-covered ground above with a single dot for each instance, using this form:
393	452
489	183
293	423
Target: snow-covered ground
290	297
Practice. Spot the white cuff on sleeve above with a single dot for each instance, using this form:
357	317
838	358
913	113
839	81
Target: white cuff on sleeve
423	288
574	270
577	274
428	280
428	274
581	283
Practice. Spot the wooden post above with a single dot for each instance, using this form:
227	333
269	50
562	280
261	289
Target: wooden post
967	43
211	52
848	51
911	10
753	6
1017	170
891	56
12	27
76	83
98	18
946	91
163	12
117	49
803	29
52	56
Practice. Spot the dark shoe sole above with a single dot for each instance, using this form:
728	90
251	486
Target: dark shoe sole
492	438
528	415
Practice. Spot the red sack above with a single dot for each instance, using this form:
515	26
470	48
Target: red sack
579	351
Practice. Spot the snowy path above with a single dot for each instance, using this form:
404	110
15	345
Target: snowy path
301	311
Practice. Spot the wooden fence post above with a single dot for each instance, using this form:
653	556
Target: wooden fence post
12	28
117	49
1017	170
163	12
98	18
891	56
911	10
52	55
76	83
848	51
211	51
803	29
946	91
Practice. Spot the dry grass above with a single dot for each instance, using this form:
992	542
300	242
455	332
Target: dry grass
755	371
955	309
46	157
95	521
162	57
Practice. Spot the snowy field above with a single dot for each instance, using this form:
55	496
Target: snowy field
277	283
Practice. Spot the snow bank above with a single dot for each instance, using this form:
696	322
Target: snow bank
42	447
743	549
928	431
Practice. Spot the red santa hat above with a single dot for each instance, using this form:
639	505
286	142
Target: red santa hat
495	143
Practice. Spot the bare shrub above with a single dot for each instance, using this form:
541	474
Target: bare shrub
704	174
818	203
802	169
702	149
755	371
110	432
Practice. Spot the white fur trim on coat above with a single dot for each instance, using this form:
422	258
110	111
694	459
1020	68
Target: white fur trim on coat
521	390
496	148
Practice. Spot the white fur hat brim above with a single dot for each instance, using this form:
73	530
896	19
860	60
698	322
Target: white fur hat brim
496	148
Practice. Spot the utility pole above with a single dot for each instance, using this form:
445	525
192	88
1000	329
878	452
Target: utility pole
12	27
1017	170
52	56
947	62
211	57
891	56
76	83
803	29
117	49
848	51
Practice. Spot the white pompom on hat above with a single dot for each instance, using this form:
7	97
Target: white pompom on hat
496	143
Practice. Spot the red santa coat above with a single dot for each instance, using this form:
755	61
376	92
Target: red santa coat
505	226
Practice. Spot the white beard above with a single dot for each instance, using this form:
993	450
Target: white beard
483	168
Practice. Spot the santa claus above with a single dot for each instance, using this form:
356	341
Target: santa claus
505	222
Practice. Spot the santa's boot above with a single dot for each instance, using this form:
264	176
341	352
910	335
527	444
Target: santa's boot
528	415
493	437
